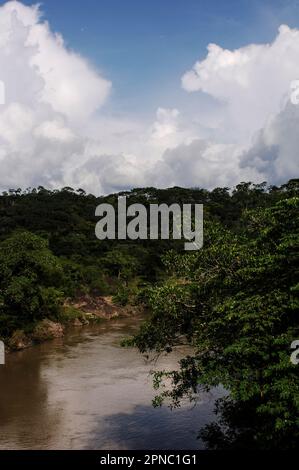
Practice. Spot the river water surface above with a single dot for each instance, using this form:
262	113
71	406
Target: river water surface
86	392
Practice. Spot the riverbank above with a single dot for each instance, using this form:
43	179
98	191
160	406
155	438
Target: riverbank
81	312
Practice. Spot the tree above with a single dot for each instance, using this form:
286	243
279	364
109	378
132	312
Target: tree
30	276
120	263
236	302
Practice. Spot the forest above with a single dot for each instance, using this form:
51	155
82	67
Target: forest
235	301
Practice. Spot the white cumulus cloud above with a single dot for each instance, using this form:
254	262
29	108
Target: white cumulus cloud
49	92
253	84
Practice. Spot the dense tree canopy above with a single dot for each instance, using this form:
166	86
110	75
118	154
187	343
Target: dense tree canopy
30	276
236	302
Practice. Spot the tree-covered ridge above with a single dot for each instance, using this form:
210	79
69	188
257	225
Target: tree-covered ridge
65	221
235	301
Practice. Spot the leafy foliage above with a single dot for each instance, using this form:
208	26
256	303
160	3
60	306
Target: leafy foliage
29	279
236	302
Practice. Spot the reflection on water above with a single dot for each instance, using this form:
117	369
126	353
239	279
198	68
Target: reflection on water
86	392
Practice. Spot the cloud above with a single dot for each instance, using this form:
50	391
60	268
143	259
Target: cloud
253	85
49	132
49	92
252	82
54	130
274	152
55	75
166	123
202	163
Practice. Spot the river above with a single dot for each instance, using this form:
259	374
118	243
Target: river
84	391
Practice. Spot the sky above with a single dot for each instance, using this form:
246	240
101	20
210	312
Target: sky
113	94
144	47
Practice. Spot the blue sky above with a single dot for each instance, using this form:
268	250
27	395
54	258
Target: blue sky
144	47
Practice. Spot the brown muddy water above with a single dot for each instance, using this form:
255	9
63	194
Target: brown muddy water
87	392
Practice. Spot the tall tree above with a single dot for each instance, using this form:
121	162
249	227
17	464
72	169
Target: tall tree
236	302
30	276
